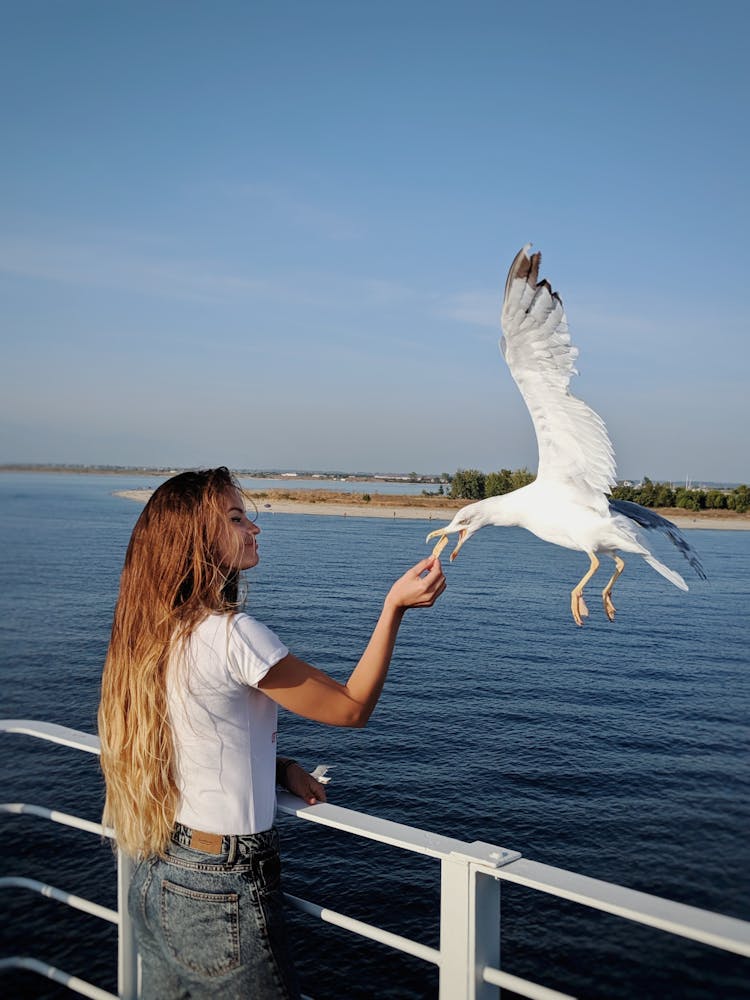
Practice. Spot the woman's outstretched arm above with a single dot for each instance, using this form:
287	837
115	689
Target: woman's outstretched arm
307	691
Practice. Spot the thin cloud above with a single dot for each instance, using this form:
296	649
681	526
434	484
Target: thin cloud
114	261
102	263
475	308
291	209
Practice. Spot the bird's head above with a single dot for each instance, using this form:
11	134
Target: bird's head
468	520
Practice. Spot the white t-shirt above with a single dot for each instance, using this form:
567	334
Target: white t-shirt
224	728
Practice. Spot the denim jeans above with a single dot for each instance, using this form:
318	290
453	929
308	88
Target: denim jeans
212	925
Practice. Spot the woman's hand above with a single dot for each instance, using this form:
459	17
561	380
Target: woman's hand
419	587
303	785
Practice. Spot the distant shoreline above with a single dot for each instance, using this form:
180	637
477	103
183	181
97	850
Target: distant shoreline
328	501
137	470
433	508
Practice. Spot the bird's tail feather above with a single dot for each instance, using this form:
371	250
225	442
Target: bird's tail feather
670	574
649	519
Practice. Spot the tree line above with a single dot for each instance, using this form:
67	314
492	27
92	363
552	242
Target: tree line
650	494
472	484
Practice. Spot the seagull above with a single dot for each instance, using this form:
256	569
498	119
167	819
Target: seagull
568	503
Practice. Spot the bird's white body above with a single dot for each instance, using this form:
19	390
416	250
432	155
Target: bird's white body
555	514
568	502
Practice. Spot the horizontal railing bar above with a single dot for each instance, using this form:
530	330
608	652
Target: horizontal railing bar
53	733
64	819
686	921
409	838
681	919
521	986
77	902
406	945
79	986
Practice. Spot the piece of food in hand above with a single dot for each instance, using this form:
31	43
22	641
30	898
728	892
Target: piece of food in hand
440	546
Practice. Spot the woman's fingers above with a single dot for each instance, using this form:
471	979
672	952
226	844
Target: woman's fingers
302	784
421	585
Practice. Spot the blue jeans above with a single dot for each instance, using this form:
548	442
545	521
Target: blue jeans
211	926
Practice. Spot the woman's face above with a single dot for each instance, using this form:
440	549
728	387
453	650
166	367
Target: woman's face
239	548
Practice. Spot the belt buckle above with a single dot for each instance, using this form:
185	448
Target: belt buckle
209	843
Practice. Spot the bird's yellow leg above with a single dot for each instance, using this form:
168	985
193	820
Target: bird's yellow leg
606	593
577	603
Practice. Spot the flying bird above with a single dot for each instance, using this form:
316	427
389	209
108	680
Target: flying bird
568	503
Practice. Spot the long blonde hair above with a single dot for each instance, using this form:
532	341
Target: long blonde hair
172	578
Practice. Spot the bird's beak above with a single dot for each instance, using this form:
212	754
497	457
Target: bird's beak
442	534
462	536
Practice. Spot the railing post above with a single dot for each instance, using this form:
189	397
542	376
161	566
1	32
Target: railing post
470	921
127	953
486	890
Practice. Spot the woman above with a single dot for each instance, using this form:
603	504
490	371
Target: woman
187	722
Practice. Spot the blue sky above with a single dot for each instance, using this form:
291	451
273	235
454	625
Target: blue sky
275	235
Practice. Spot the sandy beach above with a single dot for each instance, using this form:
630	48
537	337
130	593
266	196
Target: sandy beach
324	502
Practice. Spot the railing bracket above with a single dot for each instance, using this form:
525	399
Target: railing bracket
489	855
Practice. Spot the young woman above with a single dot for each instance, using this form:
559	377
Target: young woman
187	722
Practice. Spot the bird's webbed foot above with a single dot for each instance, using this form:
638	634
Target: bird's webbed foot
609	608
577	603
578	607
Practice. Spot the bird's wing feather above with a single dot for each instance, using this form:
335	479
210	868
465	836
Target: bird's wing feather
574	446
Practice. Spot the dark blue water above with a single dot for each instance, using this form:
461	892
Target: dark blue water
619	750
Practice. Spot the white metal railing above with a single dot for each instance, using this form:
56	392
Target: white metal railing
468	958
127	957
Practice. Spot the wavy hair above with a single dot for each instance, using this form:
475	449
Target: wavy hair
172	578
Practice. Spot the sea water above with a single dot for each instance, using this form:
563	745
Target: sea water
618	751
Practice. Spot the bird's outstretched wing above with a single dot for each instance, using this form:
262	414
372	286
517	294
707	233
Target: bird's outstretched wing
574	446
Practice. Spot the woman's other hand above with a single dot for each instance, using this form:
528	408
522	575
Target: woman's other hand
303	785
419	587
